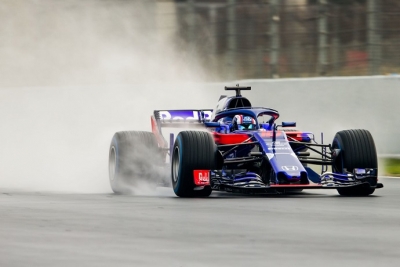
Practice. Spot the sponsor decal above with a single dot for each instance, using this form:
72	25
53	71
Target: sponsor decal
247	119
290	168
201	177
183	115
277	143
278	148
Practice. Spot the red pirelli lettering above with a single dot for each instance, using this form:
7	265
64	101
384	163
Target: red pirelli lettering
201	177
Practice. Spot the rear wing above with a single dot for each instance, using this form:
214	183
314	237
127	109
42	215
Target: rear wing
179	118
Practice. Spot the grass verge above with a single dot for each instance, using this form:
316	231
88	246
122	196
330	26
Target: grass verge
390	166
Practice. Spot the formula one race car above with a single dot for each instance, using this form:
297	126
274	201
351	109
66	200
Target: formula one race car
239	148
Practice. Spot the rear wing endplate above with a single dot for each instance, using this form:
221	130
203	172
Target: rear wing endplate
184	118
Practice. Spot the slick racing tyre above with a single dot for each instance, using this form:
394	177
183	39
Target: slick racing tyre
192	151
133	158
357	150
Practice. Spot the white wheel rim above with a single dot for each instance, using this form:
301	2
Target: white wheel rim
175	164
112	163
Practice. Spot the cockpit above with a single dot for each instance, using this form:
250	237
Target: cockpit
244	122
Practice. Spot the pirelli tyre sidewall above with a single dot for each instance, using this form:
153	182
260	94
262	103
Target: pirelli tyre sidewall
357	150
133	158
192	150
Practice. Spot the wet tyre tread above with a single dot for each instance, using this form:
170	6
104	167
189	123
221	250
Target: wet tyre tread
357	151
197	151
127	141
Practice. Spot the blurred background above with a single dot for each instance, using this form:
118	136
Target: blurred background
43	41
291	38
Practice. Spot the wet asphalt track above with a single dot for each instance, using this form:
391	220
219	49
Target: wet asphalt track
316	228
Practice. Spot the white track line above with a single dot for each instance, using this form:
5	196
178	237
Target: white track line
392	177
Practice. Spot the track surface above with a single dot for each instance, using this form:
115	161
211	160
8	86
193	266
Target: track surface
315	228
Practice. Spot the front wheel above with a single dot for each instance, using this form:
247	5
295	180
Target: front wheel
357	150
192	151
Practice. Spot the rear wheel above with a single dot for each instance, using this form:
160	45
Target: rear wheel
357	150
192	151
134	157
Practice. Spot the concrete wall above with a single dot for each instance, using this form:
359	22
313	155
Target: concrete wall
332	104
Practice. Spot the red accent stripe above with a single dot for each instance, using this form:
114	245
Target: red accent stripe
224	139
267	134
295	135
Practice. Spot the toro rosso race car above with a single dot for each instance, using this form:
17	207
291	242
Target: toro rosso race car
239	148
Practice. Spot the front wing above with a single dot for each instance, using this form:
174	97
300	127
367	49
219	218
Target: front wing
251	183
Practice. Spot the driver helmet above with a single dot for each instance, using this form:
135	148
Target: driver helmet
241	122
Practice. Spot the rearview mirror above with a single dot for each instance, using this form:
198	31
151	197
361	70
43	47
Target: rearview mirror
212	124
288	124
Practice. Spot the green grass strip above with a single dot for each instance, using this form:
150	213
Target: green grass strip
390	166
